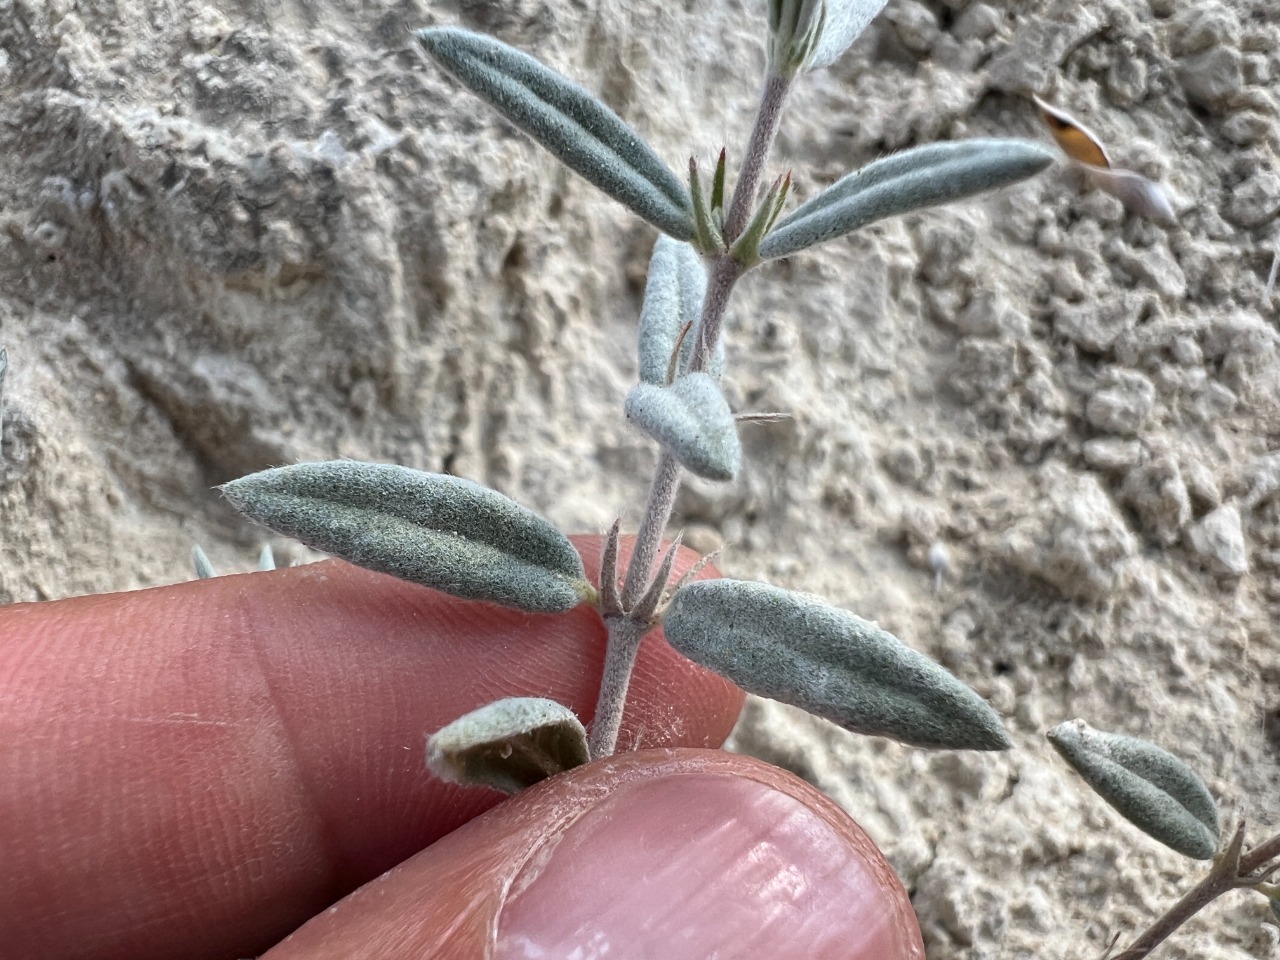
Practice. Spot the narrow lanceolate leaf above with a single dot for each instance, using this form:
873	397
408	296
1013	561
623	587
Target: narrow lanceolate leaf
707	236
582	132
792	648
845	21
746	249
442	532
1150	787
692	419
923	177
508	745
673	298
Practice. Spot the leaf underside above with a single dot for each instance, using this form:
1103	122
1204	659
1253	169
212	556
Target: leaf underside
509	744
692	419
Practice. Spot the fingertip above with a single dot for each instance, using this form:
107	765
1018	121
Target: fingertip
672	853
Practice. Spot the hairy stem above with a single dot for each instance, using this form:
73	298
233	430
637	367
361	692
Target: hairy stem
662	500
1231	871
626	631
765	131
619	660
725	272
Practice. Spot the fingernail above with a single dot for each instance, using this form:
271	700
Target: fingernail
701	865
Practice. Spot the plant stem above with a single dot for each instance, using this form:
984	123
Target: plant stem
619	660
1230	871
662	500
765	131
626	632
725	272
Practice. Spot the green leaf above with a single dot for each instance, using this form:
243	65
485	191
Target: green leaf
746	249
796	649
1150	787
707	220
582	132
673	298
923	177
508	745
692	419
439	531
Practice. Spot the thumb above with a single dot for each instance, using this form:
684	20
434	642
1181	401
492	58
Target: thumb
662	853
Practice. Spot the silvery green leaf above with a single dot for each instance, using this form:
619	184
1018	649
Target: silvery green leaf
796	649
1150	787
692	419
203	567
1275	909
442	532
508	745
845	21
923	177
582	132
673	297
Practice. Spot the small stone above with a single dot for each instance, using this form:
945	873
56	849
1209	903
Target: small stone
916	25
1074	539
904	463
1219	540
1246	127
1126	81
1201	483
978	22
1213	77
1123	407
1111	454
1187	352
1158	495
1257	200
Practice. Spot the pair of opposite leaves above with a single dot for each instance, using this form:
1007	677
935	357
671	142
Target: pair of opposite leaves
472	542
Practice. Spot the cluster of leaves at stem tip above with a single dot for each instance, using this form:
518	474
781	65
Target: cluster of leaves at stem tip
472	542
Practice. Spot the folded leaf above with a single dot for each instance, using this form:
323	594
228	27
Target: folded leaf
673	297
923	177
1150	787
1140	195
845	21
796	649
508	744
442	532
794	29
582	132
692	419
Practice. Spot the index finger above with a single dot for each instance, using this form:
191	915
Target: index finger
195	770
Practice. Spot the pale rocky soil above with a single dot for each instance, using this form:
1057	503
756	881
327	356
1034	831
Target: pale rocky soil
240	233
